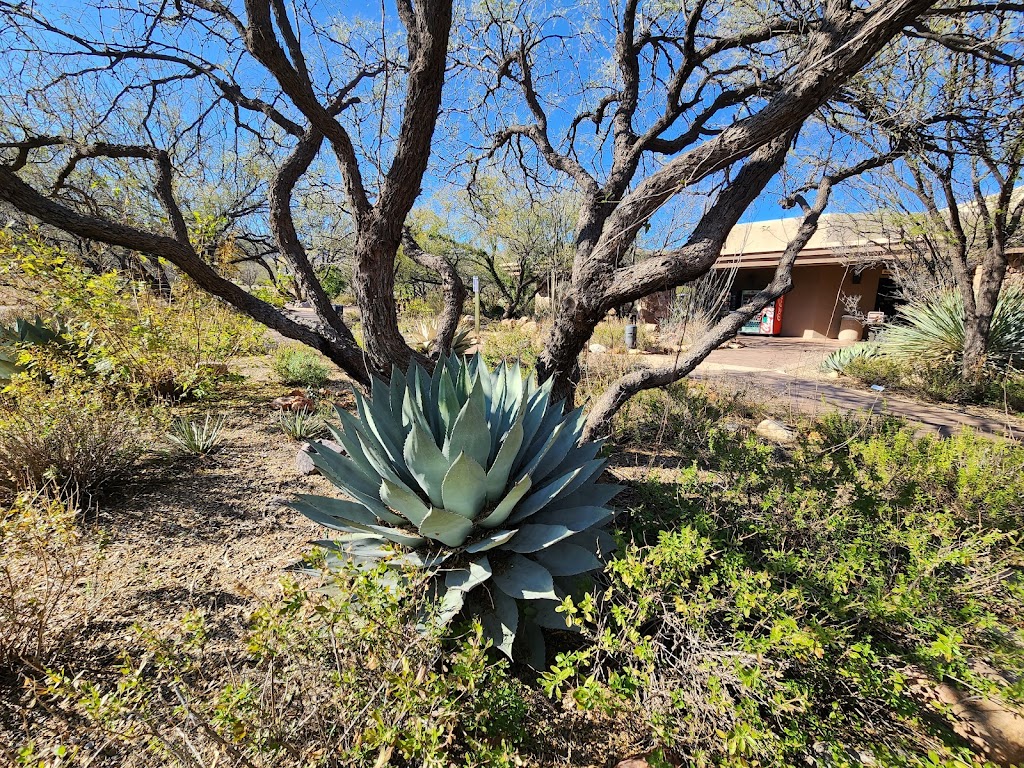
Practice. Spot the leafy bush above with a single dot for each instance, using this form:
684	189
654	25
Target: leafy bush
783	608
474	476
71	439
840	359
299	365
193	438
510	345
611	333
121	334
316	681
270	294
333	279
40	566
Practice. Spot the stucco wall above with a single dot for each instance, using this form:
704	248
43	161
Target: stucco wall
811	309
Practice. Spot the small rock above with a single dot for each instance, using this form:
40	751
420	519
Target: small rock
303	463
735	345
530	326
832	375
633	762
651	327
523	320
775	431
598	349
508	322
634	351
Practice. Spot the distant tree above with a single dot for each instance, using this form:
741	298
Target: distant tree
519	238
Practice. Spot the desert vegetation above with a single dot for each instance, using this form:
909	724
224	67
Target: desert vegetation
345	416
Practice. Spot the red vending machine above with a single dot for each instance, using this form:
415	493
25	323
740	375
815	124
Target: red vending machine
769	323
771	318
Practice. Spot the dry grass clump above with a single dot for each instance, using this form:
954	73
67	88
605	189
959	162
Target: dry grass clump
68	440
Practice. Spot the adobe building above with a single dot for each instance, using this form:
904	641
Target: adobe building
843	259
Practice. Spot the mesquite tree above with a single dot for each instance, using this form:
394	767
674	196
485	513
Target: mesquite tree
163	87
633	105
709	97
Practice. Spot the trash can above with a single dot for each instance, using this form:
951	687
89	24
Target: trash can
631	336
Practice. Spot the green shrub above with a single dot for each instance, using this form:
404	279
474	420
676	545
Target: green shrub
423	337
783	606
333	279
301	425
840	359
474	476
510	345
298	365
933	331
193	438
339	674
270	294
71	439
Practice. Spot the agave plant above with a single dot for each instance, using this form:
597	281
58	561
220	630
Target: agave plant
423	338
477	477
23	332
933	330
839	359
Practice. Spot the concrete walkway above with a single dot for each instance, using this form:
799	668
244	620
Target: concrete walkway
787	372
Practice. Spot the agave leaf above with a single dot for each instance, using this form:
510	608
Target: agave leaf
383	429
525	579
393	535
536	650
596	495
396	390
463	489
576	456
540	498
533	537
404	501
382	467
447	404
555	450
568	559
497	475
596	540
458	584
469	433
506	505
367	549
341	509
500	625
426	463
545	615
344	474
578	518
446	527
587	472
496	539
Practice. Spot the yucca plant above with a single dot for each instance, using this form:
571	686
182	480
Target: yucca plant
423	338
476	476
195	438
301	425
933	330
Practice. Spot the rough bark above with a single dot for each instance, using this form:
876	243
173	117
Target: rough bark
453	290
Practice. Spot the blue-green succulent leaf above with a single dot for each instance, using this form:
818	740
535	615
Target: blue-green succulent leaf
426	463
463	489
568	559
497	475
501	624
470	434
525	579
446	527
496	539
506	505
535	537
401	499
540	498
578	518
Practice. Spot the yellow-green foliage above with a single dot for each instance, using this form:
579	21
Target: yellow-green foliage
503	344
121	332
39	566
